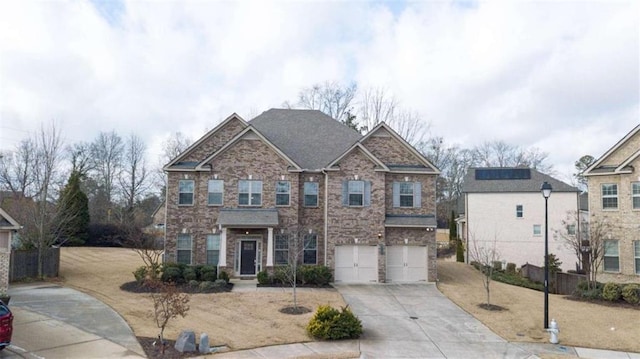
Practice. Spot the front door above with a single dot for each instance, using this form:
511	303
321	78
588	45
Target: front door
248	258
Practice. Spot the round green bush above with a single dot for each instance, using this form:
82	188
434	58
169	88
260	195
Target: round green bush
224	276
611	292
207	285
140	274
172	274
331	324
631	293
189	274
263	277
208	274
220	283
194	283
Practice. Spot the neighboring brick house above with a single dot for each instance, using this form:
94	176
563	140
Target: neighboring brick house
366	204
8	228
505	206
614	188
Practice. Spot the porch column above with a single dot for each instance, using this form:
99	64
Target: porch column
222	259
270	247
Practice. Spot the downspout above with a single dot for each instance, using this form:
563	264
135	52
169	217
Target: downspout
166	210
326	214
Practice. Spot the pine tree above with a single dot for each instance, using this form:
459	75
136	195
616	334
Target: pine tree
74	212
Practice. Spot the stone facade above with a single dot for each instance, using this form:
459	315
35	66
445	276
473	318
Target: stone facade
625	218
252	158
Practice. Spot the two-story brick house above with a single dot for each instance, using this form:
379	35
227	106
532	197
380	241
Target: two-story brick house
365	205
614	193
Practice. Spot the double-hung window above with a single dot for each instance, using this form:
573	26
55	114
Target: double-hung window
356	193
636	255
611	256
609	196
310	255
281	256
184	249
635	195
185	192
283	193
407	194
519	211
537	230
215	188
311	194
249	193
213	249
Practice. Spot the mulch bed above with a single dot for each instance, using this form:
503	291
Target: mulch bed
295	311
155	351
134	287
491	307
619	304
280	285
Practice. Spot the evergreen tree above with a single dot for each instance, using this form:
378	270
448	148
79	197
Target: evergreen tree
74	212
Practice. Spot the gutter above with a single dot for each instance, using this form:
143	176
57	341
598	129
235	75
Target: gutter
326	214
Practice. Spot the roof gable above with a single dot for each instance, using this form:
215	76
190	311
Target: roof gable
422	164
183	157
618	157
379	165
7	222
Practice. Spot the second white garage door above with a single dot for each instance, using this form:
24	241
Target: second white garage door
356	264
406	264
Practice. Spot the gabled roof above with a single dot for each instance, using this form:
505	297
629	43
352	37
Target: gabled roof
532	184
311	138
380	166
428	166
246	132
598	169
187	165
248	217
7	222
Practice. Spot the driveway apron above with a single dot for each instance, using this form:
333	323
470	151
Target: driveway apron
417	321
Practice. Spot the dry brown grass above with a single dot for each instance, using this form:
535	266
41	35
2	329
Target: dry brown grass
581	324
239	320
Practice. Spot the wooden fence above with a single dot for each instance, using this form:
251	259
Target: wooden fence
559	283
24	264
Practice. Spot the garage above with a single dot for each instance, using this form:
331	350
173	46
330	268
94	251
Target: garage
406	263
356	264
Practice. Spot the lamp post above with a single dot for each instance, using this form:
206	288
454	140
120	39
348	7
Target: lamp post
546	192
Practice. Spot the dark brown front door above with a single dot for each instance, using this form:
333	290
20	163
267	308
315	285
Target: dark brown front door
248	258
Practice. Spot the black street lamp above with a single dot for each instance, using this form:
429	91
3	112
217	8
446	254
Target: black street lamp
546	192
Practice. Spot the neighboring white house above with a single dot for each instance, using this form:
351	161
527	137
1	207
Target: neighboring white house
506	206
8	228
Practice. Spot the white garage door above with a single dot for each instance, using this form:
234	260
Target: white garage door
406	264
356	264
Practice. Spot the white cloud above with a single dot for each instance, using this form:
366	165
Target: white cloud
556	75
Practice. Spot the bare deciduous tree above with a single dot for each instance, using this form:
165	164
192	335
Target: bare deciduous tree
107	151
571	233
80	156
332	98
582	164
600	229
133	178
485	254
297	242
168	304
502	154
17	169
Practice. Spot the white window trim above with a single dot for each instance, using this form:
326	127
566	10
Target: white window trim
184	249
221	194
635	195
284	238
349	193
412	195
193	194
534	230
250	193
305	249
636	256
316	195
603	196
604	255
288	193
520	211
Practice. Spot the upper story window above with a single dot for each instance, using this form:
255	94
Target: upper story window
249	193
611	256
356	193
519	211
537	230
407	194
215	188
183	254
311	194
635	195
185	192
283	193
609	196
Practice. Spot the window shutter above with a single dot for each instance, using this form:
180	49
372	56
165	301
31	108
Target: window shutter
345	193
396	194
367	193
417	195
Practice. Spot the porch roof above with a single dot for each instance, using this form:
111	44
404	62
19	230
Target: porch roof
248	217
408	220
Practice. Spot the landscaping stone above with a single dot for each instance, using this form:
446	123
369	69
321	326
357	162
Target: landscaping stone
204	343
186	341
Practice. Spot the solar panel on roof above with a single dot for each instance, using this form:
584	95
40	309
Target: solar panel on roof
503	174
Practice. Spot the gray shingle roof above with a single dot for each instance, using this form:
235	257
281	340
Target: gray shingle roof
248	217
398	220
309	137
472	185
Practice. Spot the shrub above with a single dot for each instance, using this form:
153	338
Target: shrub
516	279
208	274
207	285
317	275
193	283
172	274
611	292
593	294
631	293
224	276
459	251
189	274
281	275
198	269
511	268
497	265
140	274
331	324
220	283
263	277
323	275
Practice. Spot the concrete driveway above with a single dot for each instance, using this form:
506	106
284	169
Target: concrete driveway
417	321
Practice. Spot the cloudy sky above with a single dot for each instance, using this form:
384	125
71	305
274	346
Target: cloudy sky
560	76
